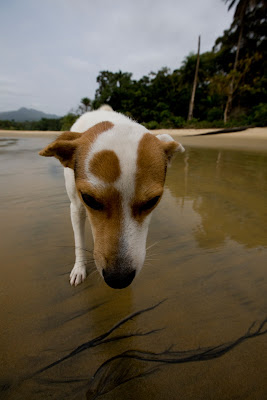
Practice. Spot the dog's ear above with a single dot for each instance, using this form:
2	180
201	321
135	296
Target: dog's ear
63	148
170	146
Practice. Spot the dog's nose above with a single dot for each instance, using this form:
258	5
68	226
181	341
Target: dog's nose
118	280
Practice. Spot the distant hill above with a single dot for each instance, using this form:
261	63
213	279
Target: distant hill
25	114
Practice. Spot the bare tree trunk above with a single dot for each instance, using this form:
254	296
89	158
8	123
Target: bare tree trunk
191	105
231	87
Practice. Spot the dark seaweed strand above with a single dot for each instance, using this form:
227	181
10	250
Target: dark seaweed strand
100	339
173	357
138	375
226	130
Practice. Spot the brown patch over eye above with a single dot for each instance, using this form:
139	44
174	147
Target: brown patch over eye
141	210
104	206
149	204
91	202
150	176
106	166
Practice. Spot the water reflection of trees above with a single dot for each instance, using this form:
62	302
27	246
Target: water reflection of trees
228	190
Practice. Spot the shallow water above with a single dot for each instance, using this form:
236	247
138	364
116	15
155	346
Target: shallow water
208	265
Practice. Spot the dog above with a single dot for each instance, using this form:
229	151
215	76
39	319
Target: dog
114	172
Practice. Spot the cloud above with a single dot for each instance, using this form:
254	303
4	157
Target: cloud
57	47
77	64
10	89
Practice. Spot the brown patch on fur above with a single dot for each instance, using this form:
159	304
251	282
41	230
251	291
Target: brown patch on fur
63	148
97	129
87	140
150	174
106	166
71	146
106	223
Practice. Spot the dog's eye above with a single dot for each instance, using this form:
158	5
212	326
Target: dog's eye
91	202
150	203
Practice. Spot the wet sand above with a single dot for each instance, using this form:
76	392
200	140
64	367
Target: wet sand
250	139
207	263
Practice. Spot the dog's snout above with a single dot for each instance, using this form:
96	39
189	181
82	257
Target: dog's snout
118	280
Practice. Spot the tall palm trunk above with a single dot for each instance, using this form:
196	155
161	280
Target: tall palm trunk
231	86
192	101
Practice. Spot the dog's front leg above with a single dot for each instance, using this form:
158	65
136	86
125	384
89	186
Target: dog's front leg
78	216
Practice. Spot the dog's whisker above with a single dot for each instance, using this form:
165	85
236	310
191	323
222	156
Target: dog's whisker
147	264
98	278
153	252
83	262
152	245
154	255
92	272
76	247
84	249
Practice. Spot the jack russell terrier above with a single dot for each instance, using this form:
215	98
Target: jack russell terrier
114	172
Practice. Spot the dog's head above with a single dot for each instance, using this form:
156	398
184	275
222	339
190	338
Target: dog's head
119	174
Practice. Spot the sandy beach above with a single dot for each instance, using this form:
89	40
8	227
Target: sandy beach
250	139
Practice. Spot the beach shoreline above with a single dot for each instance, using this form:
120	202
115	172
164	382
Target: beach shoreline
250	139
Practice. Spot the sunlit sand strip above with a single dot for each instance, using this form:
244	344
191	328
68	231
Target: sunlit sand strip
250	139
14	133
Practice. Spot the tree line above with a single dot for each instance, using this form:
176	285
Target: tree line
230	85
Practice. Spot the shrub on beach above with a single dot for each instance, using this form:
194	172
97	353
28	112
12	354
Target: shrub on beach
152	125
67	121
259	115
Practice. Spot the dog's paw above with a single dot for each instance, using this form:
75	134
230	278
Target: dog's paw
77	275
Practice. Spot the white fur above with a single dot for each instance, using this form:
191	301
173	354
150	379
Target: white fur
164	137
91	118
78	215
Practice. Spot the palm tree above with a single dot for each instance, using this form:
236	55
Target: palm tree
239	16
86	103
192	101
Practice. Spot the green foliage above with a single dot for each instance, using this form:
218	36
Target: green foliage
215	114
152	125
178	122
67	121
45	124
258	116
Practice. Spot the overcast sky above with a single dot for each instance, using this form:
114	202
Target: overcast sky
52	50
